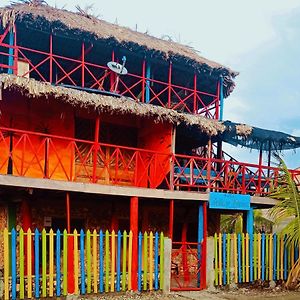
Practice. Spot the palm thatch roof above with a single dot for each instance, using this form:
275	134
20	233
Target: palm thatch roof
46	18
38	90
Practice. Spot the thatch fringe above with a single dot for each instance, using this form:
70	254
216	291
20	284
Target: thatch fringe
103	103
243	130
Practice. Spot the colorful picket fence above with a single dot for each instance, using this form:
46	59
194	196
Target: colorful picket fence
242	258
48	264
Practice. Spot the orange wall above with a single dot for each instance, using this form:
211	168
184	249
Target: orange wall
29	152
156	137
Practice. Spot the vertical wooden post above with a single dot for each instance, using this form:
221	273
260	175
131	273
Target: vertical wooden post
171	219
209	152
200	243
259	171
221	99
143	81
11	50
204	247
134	216
250	221
96	148
70	249
112	75
148	76
82	64
170	85
195	108
51	58
217	105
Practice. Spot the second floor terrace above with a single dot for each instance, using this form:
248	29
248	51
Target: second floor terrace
54	157
69	49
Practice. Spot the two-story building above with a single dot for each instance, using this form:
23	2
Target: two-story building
83	145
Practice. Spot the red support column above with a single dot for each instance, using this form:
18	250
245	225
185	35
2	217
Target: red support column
144	80
82	65
96	148
195	109
134	215
170	85
112	75
71	279
259	172
171	219
51	58
15	51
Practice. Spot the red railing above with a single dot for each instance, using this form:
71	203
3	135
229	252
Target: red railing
196	173
30	154
78	72
39	155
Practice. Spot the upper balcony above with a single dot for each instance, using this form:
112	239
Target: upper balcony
44	156
160	72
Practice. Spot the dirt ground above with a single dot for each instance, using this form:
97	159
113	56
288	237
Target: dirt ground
241	294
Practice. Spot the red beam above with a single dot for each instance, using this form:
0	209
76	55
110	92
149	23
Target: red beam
134	216
171	219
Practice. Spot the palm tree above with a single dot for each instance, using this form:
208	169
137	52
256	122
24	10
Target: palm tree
234	223
288	209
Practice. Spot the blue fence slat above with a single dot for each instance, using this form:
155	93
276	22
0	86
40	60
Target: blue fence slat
285	260
36	264
140	262
13	264
239	259
156	261
82	263
274	256
119	261
263	253
101	287
224	252
58	272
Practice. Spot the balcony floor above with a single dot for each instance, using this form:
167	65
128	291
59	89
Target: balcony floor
58	185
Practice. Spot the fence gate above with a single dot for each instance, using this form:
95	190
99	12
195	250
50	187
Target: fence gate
186	266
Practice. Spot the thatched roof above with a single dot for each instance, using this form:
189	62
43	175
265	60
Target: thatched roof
50	19
102	103
258	138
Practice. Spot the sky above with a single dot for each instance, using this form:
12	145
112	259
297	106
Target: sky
258	38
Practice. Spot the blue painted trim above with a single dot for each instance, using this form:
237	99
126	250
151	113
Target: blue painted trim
101	253
119	261
200	239
147	87
239	259
224	252
58	273
274	256
250	220
221	99
36	264
263	253
11	51
82	263
13	264
156	261
219	200
140	262
285	260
